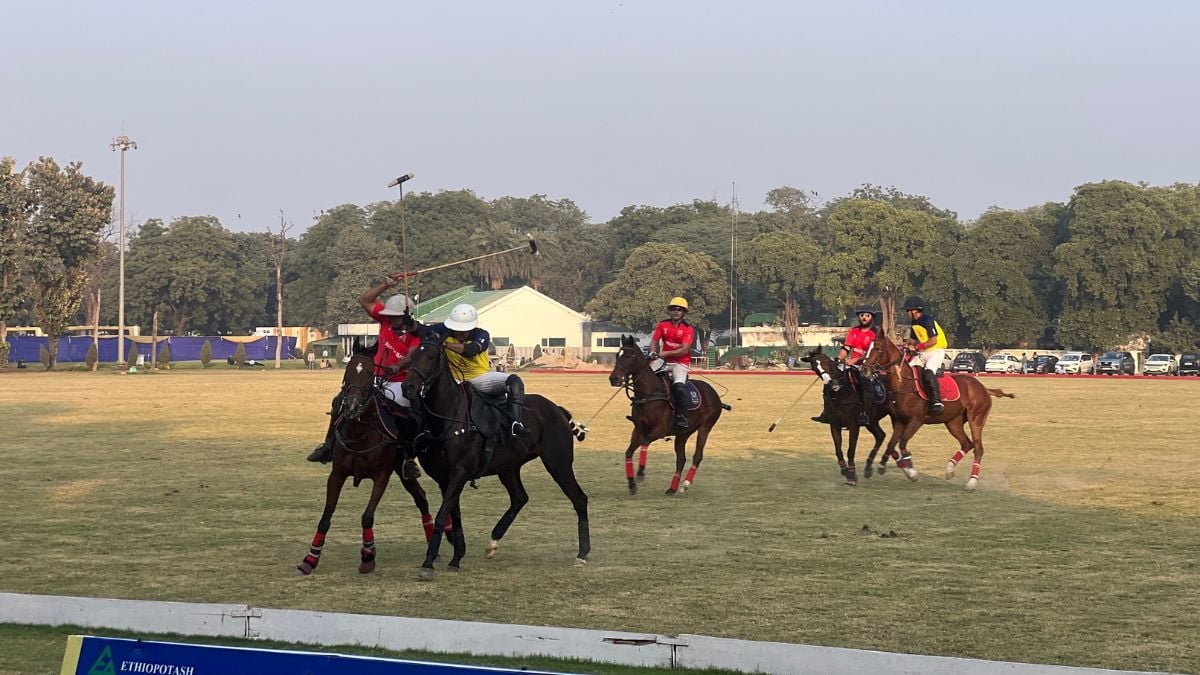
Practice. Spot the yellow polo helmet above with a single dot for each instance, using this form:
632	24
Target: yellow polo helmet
678	302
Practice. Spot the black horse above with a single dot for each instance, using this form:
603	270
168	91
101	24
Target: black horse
847	403
653	416
462	453
364	447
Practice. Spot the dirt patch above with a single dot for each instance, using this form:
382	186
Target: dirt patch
70	494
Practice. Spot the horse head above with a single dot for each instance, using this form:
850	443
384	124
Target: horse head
427	365
883	355
825	368
630	362
358	382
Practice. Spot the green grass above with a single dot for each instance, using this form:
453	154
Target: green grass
1080	547
39	649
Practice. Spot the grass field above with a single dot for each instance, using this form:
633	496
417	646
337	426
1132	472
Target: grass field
1081	546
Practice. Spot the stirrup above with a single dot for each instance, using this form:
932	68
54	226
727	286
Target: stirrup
681	421
517	428
421	441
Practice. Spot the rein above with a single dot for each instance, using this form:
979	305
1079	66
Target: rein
370	398
630	382
428	381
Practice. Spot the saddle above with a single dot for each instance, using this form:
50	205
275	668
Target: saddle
488	416
390	414
694	397
873	385
946	384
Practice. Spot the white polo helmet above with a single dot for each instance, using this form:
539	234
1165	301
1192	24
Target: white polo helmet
397	305
462	317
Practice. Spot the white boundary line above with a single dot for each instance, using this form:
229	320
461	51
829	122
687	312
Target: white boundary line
491	639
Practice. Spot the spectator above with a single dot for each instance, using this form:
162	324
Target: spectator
1024	363
311	361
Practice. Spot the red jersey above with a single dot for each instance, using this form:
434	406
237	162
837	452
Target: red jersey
859	340
674	337
392	344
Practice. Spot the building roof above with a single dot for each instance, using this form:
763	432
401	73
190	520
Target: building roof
435	310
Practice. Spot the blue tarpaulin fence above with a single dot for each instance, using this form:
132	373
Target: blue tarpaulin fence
75	348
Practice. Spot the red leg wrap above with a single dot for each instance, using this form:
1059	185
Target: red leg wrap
629	467
675	481
957	457
975	470
318	540
368	535
691	474
427	524
642	457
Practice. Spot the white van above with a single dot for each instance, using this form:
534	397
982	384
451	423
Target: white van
1076	363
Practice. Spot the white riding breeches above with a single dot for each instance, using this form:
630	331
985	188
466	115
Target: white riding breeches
679	371
491	382
392	391
930	359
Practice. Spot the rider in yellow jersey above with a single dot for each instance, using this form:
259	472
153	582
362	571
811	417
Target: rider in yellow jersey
929	340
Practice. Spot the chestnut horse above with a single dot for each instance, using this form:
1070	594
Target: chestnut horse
845	406
653	417
910	411
363	448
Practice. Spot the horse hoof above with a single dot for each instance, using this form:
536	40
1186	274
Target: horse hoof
882	470
632	489
911	473
425	574
686	485
367	567
949	470
580	562
670	492
303	570
491	549
851	482
971	483
868	471
453	568
641	476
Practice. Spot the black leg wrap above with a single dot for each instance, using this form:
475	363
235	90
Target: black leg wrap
516	402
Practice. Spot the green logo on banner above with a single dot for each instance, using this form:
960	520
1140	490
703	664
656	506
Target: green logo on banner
104	664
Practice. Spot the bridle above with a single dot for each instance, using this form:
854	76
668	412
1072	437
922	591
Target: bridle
427	381
895	366
364	396
629	380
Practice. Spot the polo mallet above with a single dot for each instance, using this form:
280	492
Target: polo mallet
531	245
793	405
583	428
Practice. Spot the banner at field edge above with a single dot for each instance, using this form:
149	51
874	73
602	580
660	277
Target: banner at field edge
91	655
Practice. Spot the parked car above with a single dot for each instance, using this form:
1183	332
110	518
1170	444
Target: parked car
968	362
1043	364
1189	363
1117	363
1076	363
1002	363
1160	364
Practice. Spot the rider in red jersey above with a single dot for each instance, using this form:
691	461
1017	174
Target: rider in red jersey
855	349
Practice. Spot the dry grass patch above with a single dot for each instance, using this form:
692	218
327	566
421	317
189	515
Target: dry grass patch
1081	546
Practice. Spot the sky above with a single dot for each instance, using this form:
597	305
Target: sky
243	109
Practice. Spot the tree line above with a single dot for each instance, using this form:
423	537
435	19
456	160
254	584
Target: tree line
1113	262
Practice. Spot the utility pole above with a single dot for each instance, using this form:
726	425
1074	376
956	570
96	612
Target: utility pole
121	144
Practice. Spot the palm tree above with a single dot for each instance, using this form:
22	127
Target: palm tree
488	238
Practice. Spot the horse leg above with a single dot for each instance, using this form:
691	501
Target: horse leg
955	427
333	489
378	485
517	499
413	486
898	426
680	460
642	451
851	475
977	423
457	534
697	456
559	465
835	432
442	521
633	444
906	461
879	435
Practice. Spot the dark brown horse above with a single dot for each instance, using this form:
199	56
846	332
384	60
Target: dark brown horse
910	410
461	451
845	406
653	416
363	448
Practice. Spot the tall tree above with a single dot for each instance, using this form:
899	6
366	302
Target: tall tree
360	259
785	263
312	262
15	207
997	261
651	276
69	210
278	250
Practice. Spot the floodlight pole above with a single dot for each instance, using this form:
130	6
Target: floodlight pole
121	143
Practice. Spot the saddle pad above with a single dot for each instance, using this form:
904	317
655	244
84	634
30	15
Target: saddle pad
694	395
946	384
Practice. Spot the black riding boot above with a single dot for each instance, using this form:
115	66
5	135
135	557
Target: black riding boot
826	396
934	391
324	452
679	391
516	403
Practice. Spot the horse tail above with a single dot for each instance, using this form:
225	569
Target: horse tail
579	431
1000	393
